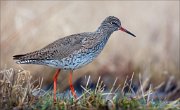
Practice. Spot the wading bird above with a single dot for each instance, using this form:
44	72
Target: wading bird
73	51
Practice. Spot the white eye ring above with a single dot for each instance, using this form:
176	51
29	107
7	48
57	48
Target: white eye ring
113	23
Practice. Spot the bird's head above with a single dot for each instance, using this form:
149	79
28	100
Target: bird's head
112	24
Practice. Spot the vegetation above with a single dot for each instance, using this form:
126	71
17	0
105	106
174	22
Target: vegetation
18	91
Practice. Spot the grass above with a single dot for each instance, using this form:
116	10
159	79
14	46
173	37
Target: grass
18	91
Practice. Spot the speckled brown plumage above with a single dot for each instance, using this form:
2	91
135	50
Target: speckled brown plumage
74	51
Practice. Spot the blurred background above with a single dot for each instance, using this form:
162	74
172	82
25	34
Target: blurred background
154	53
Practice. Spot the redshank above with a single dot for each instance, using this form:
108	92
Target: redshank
74	51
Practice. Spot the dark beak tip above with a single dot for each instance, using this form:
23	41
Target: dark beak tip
124	30
134	36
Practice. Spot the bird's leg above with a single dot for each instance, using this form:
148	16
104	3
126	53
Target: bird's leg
71	85
55	82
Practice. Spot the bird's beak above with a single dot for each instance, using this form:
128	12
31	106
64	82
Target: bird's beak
124	30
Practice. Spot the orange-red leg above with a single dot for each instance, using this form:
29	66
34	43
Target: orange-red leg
55	82
71	85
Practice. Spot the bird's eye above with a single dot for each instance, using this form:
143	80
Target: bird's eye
114	23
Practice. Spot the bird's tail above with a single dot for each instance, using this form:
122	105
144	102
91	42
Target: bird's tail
29	58
18	57
22	59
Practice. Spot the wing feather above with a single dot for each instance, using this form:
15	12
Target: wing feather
59	49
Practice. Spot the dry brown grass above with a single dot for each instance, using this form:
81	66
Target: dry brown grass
17	88
18	91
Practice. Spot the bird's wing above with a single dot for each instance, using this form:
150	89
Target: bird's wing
59	49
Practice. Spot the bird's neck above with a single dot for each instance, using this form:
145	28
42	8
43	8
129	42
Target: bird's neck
104	31
103	35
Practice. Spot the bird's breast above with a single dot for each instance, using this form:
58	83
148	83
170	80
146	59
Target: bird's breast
81	57
86	56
